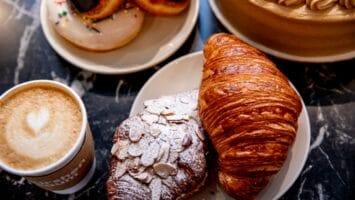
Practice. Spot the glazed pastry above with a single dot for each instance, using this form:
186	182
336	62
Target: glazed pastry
106	34
163	7
97	9
250	112
159	153
311	30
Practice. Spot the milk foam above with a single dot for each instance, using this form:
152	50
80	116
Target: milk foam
36	120
38	126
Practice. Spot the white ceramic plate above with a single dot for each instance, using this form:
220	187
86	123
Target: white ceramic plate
222	17
185	74
159	38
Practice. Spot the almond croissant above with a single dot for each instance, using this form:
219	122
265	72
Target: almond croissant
250	112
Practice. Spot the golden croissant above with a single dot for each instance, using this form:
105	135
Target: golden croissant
250	112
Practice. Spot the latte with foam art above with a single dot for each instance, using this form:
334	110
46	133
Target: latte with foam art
39	124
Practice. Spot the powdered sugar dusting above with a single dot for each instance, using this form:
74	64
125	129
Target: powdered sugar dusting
151	154
162	143
155	188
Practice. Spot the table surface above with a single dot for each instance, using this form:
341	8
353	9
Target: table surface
328	91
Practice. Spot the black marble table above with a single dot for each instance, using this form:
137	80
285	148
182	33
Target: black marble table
328	90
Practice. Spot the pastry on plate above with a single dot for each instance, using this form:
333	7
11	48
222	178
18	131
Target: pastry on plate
96	9
164	7
160	152
304	30
99	25
250	112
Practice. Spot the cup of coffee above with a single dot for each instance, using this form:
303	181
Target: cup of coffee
45	136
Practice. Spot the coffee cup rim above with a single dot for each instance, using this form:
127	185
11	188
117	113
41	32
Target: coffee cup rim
72	151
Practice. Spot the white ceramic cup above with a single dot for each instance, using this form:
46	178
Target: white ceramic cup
74	170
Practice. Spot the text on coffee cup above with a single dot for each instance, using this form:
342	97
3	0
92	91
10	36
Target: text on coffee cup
63	179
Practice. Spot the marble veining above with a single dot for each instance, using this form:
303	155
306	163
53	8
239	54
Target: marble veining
332	166
320	137
82	82
320	191
18	10
300	191
118	88
27	34
57	78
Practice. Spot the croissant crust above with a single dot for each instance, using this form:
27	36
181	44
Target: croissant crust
250	112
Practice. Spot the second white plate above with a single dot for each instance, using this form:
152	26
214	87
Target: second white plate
159	38
232	27
185	74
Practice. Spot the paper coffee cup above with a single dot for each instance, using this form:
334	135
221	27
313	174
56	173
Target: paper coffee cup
36	125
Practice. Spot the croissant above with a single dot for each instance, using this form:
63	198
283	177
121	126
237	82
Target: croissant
250	112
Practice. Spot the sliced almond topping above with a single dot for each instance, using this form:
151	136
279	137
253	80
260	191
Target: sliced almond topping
133	165
155	188
167	112
162	120
114	148
150	154
121	149
150	118
164	169
155	132
200	135
164	152
187	141
135	150
135	135
121	169
185	100
176	141
137	170
153	109
144	142
177	117
143	177
148	103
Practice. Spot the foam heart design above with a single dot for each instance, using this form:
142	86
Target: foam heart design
37	120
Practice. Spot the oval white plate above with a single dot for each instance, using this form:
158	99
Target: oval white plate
159	38
185	74
233	29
